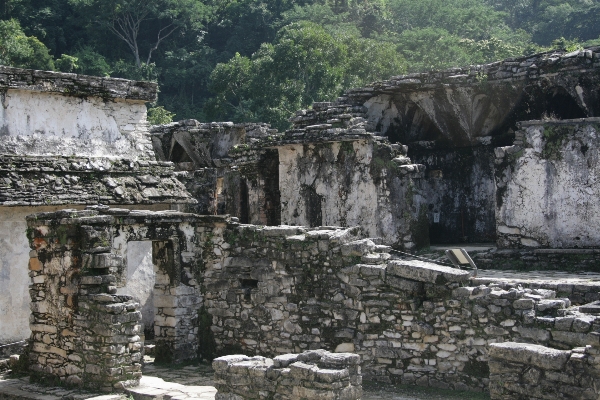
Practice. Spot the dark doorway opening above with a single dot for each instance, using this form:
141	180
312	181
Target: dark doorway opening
244	202
313	206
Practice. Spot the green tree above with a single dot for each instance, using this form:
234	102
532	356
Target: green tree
19	50
158	116
304	64
89	62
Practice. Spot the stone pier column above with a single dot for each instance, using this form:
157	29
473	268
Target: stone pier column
83	334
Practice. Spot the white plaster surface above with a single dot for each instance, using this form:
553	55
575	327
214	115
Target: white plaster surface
14	272
349	195
554	202
140	278
38	123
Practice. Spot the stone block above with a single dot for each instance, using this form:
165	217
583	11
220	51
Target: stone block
531	354
426	272
576	339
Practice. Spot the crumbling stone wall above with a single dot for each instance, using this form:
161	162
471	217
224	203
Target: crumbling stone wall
222	170
352	180
83	333
547	187
526	371
309	375
451	121
225	287
69	140
276	290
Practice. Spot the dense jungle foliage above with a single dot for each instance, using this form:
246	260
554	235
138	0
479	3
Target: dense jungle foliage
253	60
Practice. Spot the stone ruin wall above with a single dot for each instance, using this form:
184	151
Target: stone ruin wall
225	288
547	186
314	374
69	140
312	176
452	120
522	371
287	289
51	113
221	169
222	286
441	185
83	332
353	183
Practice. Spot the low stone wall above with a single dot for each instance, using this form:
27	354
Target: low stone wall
315	374
531	372
229	288
577	293
568	260
276	290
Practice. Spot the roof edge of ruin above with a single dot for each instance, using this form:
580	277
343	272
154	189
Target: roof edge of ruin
76	85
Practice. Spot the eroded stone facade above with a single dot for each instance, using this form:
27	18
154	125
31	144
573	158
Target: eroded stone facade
70	140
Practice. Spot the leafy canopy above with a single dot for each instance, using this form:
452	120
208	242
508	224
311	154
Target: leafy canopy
304	64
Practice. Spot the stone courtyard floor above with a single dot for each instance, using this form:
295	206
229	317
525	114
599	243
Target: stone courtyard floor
195	382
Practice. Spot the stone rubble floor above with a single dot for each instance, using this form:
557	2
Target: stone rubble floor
195	382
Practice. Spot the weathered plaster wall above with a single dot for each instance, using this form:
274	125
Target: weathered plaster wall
350	183
36	123
548	185
14	278
140	280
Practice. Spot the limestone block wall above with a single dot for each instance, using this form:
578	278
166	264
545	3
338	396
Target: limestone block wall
51	113
526	371
313	374
547	186
276	290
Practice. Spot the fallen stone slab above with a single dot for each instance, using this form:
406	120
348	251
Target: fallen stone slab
533	354
154	388
423	271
